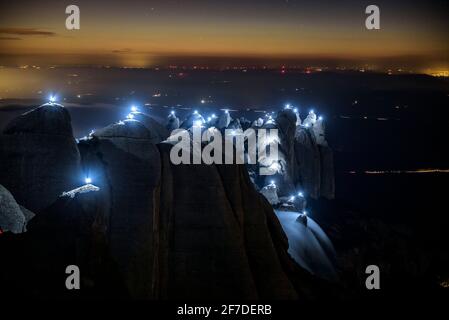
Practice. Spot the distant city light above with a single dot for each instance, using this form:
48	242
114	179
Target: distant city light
203	101
88	180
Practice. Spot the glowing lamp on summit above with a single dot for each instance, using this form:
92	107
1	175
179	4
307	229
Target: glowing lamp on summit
88	180
134	109
52	99
197	123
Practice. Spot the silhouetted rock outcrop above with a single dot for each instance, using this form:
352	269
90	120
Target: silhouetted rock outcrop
306	164
149	229
11	216
213	240
124	162
39	158
72	231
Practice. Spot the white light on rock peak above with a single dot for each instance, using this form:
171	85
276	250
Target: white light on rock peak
320	118
300	194
52	98
88	180
195	112
198	123
130	116
226	111
295	110
134	109
292	198
172	112
304	212
311	111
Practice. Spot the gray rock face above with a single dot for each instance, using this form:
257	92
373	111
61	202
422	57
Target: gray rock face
28	216
270	193
39	158
157	131
172	231
224	120
172	123
11	216
124	162
306	164
191	120
50	118
245	123
235	124
309	245
213	241
181	231
314	165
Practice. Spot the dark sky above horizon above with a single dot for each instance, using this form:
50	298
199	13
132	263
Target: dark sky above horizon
136	32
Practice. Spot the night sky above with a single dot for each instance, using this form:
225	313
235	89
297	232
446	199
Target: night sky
138	33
